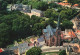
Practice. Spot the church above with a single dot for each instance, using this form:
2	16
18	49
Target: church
53	36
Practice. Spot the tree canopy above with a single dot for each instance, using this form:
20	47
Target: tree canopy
34	51
74	1
3	5
63	52
66	24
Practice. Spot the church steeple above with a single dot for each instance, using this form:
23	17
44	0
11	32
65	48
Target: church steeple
58	24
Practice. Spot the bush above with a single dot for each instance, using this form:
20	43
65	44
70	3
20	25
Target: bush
62	52
34	51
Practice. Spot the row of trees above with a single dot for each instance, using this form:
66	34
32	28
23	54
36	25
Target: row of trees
16	25
38	51
65	16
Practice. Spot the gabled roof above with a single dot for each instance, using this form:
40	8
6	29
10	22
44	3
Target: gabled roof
49	31
23	47
40	39
1	50
35	10
13	48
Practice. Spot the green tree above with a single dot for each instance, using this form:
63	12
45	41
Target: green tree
51	14
4	34
3	5
38	5
54	5
34	51
48	13
73	1
25	1
21	26
37	29
68	14
66	24
63	52
41	5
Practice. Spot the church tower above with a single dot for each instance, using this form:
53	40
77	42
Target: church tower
58	33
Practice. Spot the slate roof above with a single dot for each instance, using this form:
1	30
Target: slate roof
40	39
23	47
13	48
35	10
49	31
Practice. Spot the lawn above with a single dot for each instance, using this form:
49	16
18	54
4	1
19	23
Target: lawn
51	53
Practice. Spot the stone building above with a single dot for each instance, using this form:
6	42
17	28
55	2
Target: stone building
21	7
53	36
36	12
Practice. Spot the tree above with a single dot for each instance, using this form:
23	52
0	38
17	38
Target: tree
66	24
38	28
3	5
21	26
41	5
53	5
25	1
73	1
4	34
63	52
68	14
48	13
51	14
34	51
38	5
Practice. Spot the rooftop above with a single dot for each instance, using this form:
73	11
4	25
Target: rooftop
35	10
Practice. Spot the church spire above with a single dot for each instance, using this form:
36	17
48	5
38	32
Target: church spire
58	24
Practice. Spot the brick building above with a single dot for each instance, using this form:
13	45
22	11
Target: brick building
53	36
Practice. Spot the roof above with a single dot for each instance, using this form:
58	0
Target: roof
1	50
63	4
40	39
23	47
35	10
13	48
76	5
49	31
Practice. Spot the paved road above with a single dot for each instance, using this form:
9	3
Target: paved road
52	49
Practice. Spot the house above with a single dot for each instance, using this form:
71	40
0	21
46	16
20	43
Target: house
20	49
1	50
21	7
37	12
14	49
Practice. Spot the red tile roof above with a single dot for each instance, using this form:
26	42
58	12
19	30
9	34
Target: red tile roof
1	50
63	4
76	5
